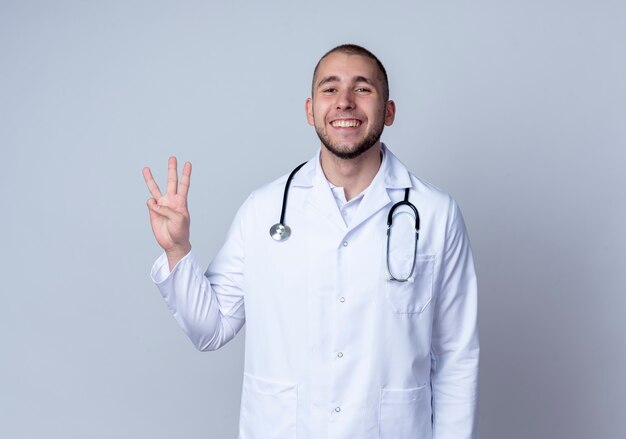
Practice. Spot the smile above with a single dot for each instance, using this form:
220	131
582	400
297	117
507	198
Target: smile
346	123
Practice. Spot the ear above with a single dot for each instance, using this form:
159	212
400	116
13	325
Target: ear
390	112
308	107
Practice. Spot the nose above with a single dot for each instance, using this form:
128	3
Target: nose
345	100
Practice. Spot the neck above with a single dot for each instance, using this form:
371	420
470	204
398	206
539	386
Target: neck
353	175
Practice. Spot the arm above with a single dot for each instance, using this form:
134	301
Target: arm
207	306
210	315
455	350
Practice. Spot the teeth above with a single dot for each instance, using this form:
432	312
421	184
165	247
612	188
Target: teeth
346	123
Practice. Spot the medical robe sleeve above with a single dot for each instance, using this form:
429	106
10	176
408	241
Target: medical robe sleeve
208	306
455	350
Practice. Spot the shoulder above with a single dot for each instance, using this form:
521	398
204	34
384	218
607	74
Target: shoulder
426	190
399	176
271	189
276	188
429	199
268	198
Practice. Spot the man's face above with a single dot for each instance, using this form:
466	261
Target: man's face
347	108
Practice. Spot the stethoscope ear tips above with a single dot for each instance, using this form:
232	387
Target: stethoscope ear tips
280	232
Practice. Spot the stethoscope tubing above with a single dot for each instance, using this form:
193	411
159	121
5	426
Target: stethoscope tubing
285	195
281	231
404	202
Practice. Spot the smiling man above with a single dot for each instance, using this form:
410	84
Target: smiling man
360	306
351	102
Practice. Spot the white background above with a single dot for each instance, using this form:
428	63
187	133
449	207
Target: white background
517	108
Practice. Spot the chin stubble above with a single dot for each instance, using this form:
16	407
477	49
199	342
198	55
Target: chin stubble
355	152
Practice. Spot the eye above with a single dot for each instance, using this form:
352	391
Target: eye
329	90
363	90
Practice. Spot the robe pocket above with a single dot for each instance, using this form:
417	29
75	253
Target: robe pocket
405	413
414	295
269	409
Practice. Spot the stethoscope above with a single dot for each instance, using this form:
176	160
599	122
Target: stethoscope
281	231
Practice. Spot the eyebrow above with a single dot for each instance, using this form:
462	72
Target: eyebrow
334	78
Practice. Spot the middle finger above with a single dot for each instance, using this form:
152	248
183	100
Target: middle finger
172	176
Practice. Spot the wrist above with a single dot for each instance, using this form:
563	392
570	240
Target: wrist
174	255
178	252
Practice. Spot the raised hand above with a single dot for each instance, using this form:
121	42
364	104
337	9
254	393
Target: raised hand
169	215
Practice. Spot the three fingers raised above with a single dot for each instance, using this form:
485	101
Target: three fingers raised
172	180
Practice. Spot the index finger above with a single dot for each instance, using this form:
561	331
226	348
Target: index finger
185	180
152	186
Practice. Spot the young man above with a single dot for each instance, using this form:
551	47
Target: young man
352	331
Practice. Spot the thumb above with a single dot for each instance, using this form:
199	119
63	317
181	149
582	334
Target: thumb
152	208
164	211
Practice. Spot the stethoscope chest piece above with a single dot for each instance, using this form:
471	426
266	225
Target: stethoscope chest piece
280	232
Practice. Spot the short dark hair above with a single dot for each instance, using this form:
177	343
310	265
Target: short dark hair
353	49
